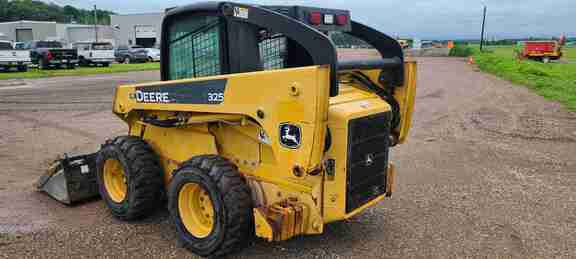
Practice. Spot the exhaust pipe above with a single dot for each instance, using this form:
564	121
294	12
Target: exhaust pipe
71	179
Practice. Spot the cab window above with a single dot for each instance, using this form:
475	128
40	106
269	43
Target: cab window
102	46
81	46
194	47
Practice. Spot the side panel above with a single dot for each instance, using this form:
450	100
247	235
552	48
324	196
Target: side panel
176	145
269	98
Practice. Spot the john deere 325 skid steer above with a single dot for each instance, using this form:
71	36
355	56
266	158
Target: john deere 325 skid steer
256	128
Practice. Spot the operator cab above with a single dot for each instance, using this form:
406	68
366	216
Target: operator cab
215	38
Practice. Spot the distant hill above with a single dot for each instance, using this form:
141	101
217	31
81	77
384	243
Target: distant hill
15	10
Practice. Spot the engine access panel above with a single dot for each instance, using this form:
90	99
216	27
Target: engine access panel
322	19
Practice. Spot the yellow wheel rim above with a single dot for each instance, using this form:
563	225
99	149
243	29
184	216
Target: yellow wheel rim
196	210
115	180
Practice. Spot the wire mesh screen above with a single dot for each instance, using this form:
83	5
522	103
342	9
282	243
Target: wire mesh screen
195	48
273	52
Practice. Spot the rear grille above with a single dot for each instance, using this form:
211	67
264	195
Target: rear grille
368	144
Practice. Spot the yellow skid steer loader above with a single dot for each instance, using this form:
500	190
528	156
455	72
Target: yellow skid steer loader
257	129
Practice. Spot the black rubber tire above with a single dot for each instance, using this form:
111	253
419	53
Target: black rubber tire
233	223
22	68
82	62
43	64
105	64
144	177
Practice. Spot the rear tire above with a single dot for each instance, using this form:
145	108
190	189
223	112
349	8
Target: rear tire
43	64
83	62
139	166
232	224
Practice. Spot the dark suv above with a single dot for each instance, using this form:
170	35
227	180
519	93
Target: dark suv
131	54
49	54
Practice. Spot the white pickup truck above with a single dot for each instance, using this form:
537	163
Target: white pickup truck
94	53
12	58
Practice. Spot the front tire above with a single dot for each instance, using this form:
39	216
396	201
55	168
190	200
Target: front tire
210	204
129	178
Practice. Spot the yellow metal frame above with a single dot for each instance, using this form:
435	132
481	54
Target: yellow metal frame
291	192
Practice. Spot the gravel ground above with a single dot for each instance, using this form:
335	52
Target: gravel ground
489	171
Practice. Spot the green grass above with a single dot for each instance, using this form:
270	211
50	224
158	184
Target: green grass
570	54
114	68
555	81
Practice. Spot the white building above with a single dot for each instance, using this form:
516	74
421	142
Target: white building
23	31
137	29
125	30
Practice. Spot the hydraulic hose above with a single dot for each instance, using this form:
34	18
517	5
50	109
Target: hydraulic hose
386	95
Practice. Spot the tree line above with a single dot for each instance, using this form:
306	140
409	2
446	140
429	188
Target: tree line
16	10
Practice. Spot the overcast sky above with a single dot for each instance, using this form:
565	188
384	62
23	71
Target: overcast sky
430	19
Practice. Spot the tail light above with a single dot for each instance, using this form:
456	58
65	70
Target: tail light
342	19
49	56
315	18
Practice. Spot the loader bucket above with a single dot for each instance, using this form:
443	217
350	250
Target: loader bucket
71	179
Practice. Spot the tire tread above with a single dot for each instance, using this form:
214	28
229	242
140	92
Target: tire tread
145	175
239	230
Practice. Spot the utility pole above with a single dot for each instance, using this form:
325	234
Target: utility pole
95	24
483	24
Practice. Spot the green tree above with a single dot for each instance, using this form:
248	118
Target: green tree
15	10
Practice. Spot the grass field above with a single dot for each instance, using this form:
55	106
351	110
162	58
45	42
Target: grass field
114	68
570	54
555	81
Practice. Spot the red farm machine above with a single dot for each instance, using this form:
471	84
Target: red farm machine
544	50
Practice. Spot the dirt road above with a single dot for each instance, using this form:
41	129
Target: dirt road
489	170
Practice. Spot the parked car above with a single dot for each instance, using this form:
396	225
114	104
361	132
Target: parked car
427	44
94	53
153	54
131	54
49	54
12	58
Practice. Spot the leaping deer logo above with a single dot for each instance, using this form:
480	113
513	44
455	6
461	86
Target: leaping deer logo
292	138
290	135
